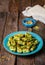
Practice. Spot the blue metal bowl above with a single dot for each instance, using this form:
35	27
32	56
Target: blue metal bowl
39	47
28	19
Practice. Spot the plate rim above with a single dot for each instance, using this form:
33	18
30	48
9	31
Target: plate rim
22	54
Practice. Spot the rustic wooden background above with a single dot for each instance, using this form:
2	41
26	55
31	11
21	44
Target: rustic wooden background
4	4
10	17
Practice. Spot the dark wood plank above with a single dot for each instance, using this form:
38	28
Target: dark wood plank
27	60
22	4
31	60
36	59
2	23
21	27
35	2
44	2
4	4
41	30
40	56
13	7
10	27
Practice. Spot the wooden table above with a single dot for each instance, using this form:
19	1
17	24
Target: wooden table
11	22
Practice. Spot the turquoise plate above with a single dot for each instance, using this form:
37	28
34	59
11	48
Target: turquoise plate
40	45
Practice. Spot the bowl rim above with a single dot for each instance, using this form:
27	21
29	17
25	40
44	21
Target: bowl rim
33	20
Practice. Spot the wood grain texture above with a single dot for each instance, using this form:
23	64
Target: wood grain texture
22	4
2	23
44	2
13	7
26	60
21	27
40	56
35	2
4	4
29	60
41	30
11	22
10	26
